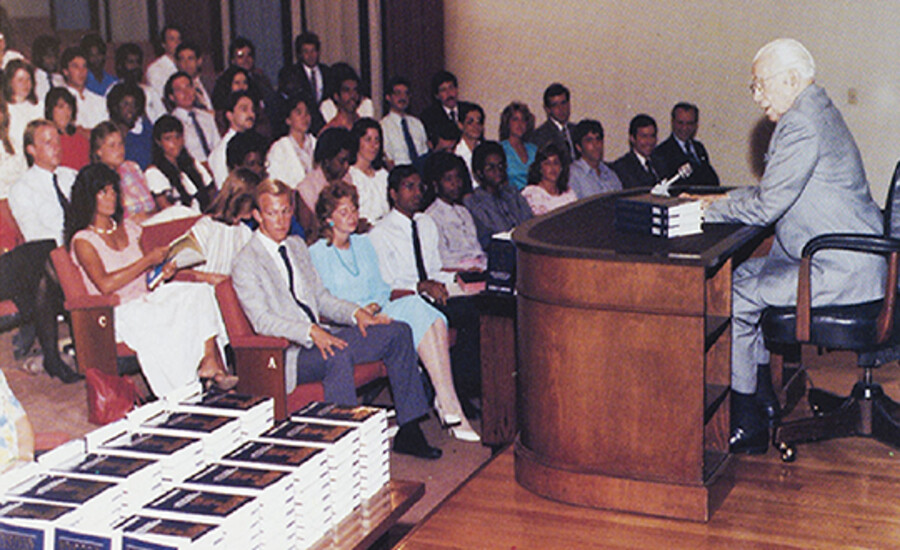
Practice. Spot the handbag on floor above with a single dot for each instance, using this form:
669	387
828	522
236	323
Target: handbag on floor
109	397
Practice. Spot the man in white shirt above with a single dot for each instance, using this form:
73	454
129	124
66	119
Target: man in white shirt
200	133
405	139
458	244
163	67
91	107
241	116
406	241
189	60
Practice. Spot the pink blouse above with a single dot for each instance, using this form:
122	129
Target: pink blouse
542	202
114	260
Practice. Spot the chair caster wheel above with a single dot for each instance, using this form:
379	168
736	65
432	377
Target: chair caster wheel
788	453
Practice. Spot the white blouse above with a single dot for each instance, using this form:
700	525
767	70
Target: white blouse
373	194
158	183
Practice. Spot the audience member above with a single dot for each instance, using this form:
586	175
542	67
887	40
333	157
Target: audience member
240	112
312	76
91	109
636	168
200	132
94	48
12	161
471	122
589	175
444	91
344	91
163	67
129	69
242	53
348	266
443	137
45	56
7	55
247	150
681	148
273	272
557	129
164	327
61	109
495	205
367	172
108	147
458	238
332	163
22	102
290	158
234	79
125	103
405	139
516	126
548	180
189	60
175	176
406	241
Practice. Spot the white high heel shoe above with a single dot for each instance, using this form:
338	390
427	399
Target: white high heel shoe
447	420
465	433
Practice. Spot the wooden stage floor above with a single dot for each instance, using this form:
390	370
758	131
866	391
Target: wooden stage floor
838	494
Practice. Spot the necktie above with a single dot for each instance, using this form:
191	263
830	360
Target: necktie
568	138
314	84
410	145
282	250
200	134
198	98
417	249
650	170
453	115
49	80
691	152
63	201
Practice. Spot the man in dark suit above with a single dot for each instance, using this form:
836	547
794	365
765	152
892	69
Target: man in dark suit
557	129
282	295
306	75
444	108
681	148
636	168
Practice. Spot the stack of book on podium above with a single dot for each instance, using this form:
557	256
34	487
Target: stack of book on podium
34	524
255	414
341	444
178	456
313	511
272	489
140	532
219	433
239	516
374	445
658	216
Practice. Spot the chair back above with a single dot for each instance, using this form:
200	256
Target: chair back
236	322
10	236
892	206
69	275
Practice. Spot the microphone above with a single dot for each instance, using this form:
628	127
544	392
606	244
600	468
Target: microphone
661	189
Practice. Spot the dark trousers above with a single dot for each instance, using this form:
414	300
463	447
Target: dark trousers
465	355
391	344
27	278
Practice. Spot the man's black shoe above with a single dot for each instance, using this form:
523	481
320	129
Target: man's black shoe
411	441
63	372
471	411
770	408
742	441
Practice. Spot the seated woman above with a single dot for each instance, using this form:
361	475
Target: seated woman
348	267
471	122
548	181
16	434
173	329
175	176
19	93
290	158
516	123
367	171
108	147
62	110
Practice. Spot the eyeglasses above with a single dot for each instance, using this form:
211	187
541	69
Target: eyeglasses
758	84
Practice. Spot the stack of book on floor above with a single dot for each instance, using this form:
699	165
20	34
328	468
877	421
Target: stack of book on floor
374	445
272	489
219	433
151	533
34	524
255	414
341	444
313	510
658	216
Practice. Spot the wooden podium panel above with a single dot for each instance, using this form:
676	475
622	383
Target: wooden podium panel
624	362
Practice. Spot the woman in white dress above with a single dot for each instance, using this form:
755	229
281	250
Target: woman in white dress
174	329
367	171
175	176
290	158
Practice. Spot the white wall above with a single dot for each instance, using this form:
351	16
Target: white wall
624	57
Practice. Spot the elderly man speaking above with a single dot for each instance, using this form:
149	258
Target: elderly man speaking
814	183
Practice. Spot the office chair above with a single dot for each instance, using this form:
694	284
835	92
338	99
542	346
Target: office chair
865	328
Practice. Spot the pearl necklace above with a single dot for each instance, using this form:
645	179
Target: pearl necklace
109	231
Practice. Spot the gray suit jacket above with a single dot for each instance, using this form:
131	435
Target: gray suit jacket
268	303
814	183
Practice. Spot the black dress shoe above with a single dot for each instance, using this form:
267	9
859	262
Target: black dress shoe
469	409
63	372
411	441
771	409
744	442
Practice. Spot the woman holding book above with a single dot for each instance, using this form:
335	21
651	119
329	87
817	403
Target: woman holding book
548	181
173	329
348	267
175	176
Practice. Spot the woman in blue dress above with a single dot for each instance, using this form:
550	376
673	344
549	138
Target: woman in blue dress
348	266
516	124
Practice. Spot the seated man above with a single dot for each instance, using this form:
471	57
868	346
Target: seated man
446	174
247	150
404	135
557	129
681	148
240	112
589	175
495	205
636	168
406	241
283	296
443	137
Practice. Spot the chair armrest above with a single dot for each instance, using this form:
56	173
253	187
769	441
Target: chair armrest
398	293
259	342
871	244
92	301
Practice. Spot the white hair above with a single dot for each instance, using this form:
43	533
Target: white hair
790	54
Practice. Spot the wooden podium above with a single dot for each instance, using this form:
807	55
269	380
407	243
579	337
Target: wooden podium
624	362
